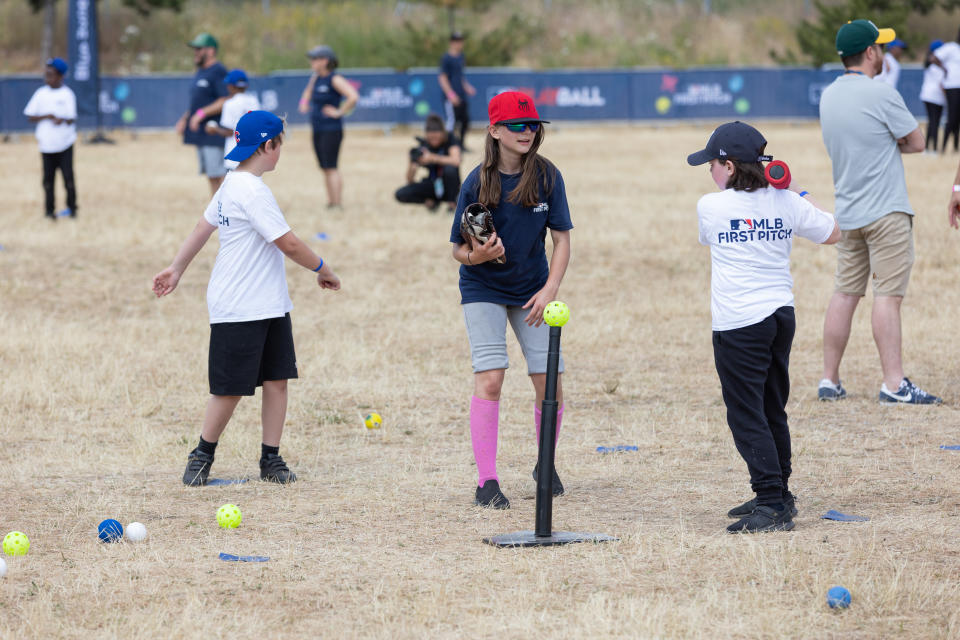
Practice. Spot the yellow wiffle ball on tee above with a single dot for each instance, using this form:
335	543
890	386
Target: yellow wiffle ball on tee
16	543
556	314
229	516
373	421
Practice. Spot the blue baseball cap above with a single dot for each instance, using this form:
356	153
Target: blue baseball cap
59	64
936	44
897	42
253	129
237	77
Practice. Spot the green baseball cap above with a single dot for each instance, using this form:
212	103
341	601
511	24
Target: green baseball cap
855	36
203	40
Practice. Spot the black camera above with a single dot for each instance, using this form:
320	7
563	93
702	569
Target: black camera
417	152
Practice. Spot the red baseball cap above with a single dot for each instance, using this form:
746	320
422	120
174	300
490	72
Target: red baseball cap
513	106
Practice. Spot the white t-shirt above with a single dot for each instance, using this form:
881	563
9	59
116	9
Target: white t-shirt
232	110
59	102
932	90
750	235
891	70
248	281
949	54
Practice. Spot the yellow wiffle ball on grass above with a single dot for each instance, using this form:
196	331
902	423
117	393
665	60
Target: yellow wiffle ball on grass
373	421
16	543
556	314
229	516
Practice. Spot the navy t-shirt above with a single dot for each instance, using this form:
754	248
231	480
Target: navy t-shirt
453	66
207	86
523	231
324	94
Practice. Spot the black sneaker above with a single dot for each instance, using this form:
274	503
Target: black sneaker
557	485
198	468
908	393
747	507
274	469
763	519
489	495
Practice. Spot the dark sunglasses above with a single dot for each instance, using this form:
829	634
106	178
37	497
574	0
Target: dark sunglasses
518	127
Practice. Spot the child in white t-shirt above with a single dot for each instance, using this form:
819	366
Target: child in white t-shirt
239	103
251	340
54	108
749	227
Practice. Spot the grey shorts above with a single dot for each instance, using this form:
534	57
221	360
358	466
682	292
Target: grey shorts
211	161
487	331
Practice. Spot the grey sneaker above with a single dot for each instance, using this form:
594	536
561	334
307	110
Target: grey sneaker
747	507
829	392
908	393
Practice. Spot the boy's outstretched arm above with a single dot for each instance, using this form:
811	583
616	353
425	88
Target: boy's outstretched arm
166	281
295	249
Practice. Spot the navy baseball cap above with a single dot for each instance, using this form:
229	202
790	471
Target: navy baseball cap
237	77
732	141
253	129
59	64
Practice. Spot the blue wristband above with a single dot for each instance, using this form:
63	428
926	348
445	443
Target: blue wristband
319	267
803	193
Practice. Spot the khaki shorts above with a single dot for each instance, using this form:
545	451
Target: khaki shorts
882	252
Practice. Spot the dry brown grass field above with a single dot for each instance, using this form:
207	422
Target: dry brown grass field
104	388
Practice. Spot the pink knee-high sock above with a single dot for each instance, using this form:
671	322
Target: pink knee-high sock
538	418
484	420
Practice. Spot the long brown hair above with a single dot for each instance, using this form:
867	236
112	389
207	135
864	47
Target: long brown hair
535	172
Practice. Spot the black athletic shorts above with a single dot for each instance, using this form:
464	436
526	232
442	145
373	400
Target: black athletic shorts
244	354
326	144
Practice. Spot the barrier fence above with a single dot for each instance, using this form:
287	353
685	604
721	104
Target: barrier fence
388	97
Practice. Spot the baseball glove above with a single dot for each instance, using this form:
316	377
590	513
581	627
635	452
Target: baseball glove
477	223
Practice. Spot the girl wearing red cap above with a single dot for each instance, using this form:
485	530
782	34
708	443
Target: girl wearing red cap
526	195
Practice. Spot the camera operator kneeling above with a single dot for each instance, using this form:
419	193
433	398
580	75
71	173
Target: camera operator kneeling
439	152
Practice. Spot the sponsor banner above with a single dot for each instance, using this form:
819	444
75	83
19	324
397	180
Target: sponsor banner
83	75
388	97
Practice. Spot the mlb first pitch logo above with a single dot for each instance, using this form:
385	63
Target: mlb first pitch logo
755	229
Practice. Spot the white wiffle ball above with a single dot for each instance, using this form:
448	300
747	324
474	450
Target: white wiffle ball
135	532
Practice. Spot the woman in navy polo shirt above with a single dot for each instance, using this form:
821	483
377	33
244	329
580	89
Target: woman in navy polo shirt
328	97
525	192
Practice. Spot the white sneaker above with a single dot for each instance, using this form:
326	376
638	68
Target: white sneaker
908	393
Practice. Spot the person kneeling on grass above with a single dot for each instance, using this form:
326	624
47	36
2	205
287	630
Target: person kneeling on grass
251	340
749	227
439	152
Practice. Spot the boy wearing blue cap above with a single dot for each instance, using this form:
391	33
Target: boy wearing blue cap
54	108
239	103
251	340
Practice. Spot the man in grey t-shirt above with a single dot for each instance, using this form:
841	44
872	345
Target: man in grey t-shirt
866	126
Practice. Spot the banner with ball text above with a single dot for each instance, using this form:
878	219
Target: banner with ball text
82	46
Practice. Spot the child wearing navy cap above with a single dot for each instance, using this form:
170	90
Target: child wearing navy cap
53	107
251	339
526	195
749	227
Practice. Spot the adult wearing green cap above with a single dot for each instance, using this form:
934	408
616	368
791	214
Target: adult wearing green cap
866	127
207	95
